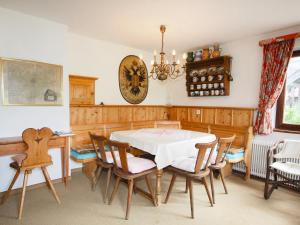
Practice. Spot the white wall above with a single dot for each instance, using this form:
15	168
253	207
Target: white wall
27	37
102	59
246	69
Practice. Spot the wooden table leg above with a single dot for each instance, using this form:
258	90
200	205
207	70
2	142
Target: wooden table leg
65	157
158	186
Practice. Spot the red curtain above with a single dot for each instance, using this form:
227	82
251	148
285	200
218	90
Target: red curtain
276	57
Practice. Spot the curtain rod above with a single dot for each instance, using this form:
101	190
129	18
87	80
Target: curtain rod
278	39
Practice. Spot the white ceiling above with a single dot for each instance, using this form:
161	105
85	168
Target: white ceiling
190	23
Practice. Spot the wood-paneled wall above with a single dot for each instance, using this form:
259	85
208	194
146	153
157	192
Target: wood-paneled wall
90	115
223	121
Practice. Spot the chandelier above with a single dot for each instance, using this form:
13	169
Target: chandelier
163	69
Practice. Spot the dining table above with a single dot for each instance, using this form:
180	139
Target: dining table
166	145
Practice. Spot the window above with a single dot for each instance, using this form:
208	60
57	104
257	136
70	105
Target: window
288	105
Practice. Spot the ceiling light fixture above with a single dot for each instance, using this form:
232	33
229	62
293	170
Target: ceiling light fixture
163	69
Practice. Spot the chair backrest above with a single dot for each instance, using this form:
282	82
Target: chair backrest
224	144
205	151
122	149
37	143
99	143
288	149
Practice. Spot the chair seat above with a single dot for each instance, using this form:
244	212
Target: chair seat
287	167
138	165
188	164
19	158
110	159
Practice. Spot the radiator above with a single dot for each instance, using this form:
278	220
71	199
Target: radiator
258	160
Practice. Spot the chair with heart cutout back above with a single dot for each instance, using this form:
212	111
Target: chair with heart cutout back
35	156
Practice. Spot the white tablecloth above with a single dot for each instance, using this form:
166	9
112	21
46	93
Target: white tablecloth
166	144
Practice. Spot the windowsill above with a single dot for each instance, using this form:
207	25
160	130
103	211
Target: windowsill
286	131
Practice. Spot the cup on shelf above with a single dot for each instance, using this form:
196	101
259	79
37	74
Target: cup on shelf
217	92
198	86
212	92
192	93
220	77
222	85
191	87
197	93
210	86
216	85
210	78
202	78
201	93
222	92
206	93
204	86
195	79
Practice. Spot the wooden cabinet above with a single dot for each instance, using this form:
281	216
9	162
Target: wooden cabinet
82	90
209	77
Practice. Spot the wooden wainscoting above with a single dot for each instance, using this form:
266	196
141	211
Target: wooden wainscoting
221	121
104	119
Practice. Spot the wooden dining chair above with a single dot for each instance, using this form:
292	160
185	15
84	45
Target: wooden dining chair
207	130
194	168
224	144
36	156
130	169
283	167
104	160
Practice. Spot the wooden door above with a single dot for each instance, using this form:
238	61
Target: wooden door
82	90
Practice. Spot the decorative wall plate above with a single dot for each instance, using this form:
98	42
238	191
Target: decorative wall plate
133	79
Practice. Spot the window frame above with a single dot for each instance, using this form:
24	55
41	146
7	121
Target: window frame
279	124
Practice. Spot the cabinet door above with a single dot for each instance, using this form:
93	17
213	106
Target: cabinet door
82	91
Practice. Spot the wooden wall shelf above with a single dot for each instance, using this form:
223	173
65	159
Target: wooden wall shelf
209	77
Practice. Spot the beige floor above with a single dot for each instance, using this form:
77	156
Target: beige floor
80	206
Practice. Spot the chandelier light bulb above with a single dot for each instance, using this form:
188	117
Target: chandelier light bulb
173	52
152	62
184	56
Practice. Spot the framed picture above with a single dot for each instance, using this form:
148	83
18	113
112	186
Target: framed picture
133	79
31	83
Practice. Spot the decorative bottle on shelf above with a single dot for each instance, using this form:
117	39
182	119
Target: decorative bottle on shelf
205	53
197	55
216	51
190	57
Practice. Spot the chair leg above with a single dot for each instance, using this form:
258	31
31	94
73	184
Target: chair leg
186	186
48	180
129	197
150	189
223	181
96	178
6	195
207	191
26	174
266	192
115	190
170	187
190	185
275	179
107	183
211	176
